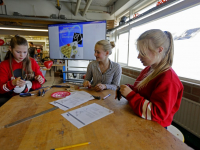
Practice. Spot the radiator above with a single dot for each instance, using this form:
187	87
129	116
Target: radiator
188	116
126	80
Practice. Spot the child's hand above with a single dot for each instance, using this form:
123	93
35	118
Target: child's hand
18	82
99	87
40	79
87	84
125	90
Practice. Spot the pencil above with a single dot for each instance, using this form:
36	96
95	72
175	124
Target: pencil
61	148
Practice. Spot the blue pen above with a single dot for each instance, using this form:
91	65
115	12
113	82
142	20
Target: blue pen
106	96
25	94
43	92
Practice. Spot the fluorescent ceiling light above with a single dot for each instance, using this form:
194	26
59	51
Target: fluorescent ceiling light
22	29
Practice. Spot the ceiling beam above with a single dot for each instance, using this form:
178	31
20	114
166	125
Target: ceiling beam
29	21
77	6
86	7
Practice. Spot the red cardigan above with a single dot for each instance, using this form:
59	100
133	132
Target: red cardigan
5	72
159	100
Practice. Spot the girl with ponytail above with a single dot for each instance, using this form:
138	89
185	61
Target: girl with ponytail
103	73
157	92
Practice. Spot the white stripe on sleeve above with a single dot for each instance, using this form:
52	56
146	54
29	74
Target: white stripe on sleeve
146	110
5	88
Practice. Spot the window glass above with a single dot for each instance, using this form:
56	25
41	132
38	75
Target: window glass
185	28
123	48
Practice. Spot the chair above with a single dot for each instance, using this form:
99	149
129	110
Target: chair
176	132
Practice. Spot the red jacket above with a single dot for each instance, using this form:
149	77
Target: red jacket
6	75
159	100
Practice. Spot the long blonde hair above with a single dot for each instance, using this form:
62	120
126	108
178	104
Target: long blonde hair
153	39
17	40
107	46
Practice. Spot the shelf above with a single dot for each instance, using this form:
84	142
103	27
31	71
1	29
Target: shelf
74	80
71	71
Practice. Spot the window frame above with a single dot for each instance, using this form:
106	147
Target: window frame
123	64
186	4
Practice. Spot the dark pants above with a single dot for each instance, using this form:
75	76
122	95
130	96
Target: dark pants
4	98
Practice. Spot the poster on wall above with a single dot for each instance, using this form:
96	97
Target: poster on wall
75	40
71	41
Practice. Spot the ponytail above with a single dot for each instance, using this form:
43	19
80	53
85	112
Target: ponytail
153	39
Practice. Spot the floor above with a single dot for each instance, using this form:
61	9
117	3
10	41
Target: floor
51	80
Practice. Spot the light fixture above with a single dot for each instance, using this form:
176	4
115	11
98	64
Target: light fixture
22	29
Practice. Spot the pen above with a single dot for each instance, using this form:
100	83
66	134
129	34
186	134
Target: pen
60	86
61	148
97	97
43	92
81	87
118	94
106	96
39	93
25	94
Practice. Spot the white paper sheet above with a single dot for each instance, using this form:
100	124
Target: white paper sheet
73	100
86	115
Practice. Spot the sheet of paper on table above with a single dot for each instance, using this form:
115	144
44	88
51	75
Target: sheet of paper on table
85	115
73	100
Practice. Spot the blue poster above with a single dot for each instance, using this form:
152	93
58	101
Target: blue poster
71	41
71	33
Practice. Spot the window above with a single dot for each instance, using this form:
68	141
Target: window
185	27
123	48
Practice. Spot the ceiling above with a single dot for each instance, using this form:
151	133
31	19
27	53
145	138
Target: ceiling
115	7
103	3
43	21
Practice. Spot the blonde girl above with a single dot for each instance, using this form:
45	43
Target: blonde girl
157	92
103	73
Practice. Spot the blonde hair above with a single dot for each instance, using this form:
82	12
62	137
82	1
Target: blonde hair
107	46
17	40
153	39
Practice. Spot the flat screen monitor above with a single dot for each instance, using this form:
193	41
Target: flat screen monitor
75	41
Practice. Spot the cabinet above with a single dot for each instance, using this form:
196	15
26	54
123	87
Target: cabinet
74	70
3	51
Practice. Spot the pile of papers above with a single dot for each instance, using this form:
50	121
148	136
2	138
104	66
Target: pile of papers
84	115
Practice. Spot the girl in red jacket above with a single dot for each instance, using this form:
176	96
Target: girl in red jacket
157	92
19	72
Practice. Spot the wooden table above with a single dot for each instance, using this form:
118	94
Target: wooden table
121	130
